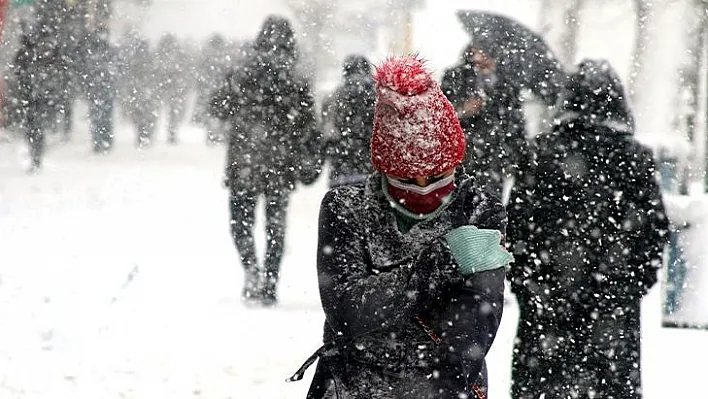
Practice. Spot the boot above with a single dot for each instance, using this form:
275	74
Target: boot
270	289
252	291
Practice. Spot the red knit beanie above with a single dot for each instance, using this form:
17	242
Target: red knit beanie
416	130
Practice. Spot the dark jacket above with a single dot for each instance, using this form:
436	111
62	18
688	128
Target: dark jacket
588	228
100	71
141	86
400	319
273	134
352	114
37	70
496	136
173	71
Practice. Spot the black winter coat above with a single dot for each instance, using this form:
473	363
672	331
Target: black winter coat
400	319
39	84
496	137
141	86
588	228
173	72
100	72
353	120
273	128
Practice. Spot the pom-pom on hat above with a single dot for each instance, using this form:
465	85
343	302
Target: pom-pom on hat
416	130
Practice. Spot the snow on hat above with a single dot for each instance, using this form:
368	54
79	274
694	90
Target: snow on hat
416	130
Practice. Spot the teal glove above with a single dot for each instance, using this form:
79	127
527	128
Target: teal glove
477	250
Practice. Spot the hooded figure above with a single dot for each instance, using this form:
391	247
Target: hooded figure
352	116
36	68
588	228
410	264
491	114
273	144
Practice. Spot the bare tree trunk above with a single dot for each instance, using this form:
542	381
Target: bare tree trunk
314	19
560	25
694	84
642	10
702	90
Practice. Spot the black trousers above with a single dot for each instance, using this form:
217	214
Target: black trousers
242	202
145	121
34	133
101	123
176	105
599	359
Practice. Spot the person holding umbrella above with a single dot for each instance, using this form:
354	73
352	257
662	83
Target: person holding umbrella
491	114
503	59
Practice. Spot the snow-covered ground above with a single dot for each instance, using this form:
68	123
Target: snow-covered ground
118	279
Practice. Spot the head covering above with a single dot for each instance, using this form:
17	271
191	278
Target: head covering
276	35
416	130
594	94
355	65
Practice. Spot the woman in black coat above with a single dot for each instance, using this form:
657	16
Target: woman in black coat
352	116
273	144
37	68
410	265
588	228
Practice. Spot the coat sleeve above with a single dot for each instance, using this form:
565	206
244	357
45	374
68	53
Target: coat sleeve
648	238
654	234
469	323
358	299
452	85
310	146
521	223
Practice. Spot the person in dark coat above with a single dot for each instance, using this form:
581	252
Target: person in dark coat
411	264
70	79
351	112
173	86
491	113
142	104
588	228
214	64
99	82
273	144
36	68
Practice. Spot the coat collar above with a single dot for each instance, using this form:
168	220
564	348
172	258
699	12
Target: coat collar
388	247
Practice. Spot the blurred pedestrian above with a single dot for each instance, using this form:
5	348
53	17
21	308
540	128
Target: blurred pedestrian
173	77
273	144
70	63
36	67
142	103
491	114
212	68
588	228
99	83
351	111
411	264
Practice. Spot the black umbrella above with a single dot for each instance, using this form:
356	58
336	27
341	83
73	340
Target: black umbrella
523	58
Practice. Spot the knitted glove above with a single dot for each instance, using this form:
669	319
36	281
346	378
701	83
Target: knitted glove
477	250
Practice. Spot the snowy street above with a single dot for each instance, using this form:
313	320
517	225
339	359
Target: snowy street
118	279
